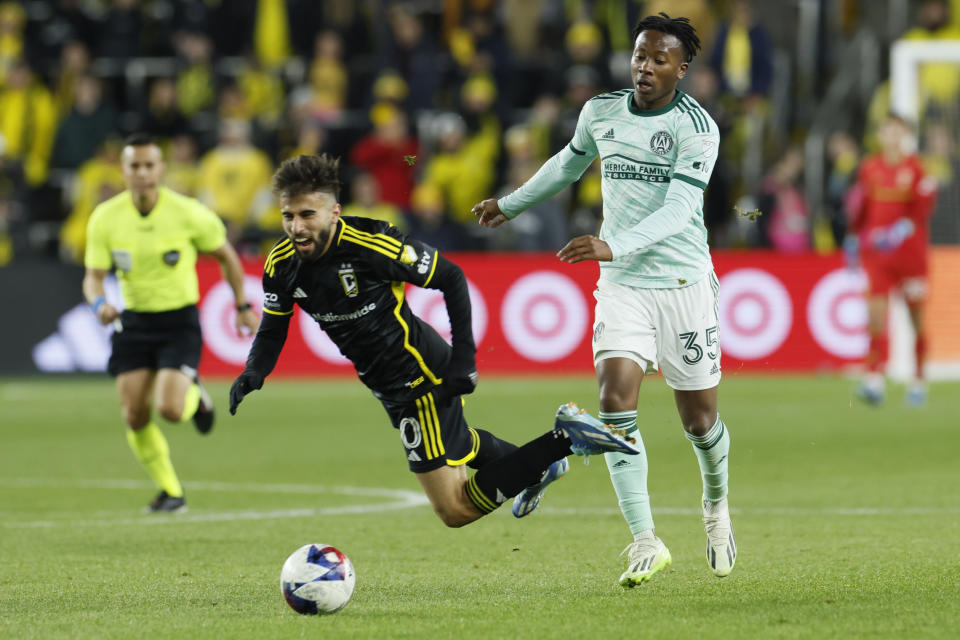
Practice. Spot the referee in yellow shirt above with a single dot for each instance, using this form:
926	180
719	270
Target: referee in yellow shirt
150	236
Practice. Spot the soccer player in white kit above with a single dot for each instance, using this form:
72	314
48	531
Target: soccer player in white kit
657	292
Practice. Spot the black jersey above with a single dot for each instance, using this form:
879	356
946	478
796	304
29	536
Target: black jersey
355	291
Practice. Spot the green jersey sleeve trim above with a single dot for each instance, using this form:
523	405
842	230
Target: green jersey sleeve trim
577	151
689	180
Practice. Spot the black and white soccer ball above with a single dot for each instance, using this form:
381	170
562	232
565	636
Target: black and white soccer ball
317	579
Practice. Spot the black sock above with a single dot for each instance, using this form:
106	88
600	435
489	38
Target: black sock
508	475
491	448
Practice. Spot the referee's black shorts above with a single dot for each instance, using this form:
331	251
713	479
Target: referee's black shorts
433	431
162	340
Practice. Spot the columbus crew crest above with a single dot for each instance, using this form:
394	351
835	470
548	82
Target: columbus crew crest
661	142
348	278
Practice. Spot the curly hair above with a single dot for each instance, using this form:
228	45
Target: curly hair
308	174
679	27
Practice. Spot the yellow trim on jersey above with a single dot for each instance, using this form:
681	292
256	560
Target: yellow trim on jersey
280	252
371	244
433	268
476	496
278	313
378	242
397	288
475	449
389	241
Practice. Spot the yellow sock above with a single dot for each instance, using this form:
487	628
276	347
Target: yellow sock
191	402
153	452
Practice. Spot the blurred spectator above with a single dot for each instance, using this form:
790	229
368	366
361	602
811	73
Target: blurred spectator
942	163
844	156
263	92
463	168
328	77
119	35
546	127
182	174
195	81
584	47
12	20
28	121
235	180
544	225
700	12
74	62
939	81
429	222
67	21
271	33
97	180
11	201
415	55
785	223
310	142
163	117
703	84
366	202
582	85
389	153
742	55
87	126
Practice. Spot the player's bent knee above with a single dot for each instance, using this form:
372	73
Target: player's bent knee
136	418
170	413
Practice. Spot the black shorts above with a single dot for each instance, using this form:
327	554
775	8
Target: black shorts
434	432
163	340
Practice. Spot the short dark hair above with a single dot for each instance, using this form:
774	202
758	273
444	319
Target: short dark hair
308	174
139	139
679	27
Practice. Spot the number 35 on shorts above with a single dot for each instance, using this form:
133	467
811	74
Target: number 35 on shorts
692	345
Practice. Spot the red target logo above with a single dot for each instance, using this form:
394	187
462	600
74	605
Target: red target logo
756	314
837	313
544	316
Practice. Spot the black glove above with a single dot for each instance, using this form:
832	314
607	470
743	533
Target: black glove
460	377
244	384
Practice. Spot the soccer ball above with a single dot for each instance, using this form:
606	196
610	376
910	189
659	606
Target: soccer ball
317	579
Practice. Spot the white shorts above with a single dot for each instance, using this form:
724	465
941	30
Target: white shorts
675	329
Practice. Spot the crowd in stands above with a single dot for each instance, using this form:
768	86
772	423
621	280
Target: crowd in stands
432	104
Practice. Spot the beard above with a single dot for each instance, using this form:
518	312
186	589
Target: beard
313	253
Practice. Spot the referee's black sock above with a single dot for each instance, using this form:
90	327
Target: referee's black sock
491	447
505	477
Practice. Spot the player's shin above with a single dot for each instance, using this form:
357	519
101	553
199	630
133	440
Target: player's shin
712	450
628	473
505	477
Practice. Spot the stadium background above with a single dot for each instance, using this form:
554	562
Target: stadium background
436	104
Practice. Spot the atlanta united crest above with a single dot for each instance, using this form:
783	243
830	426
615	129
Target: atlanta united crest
661	142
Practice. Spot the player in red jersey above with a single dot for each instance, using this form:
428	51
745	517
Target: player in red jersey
889	211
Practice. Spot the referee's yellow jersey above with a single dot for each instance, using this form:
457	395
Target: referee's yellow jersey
155	255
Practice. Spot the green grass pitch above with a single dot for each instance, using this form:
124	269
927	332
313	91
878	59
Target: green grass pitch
847	520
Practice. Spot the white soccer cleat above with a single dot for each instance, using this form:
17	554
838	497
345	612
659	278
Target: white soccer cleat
646	556
721	545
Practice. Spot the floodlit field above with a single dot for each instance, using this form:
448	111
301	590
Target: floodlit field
847	520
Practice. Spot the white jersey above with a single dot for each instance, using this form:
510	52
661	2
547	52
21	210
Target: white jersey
655	166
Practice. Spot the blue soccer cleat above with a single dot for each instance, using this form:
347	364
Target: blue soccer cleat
917	395
528	499
590	436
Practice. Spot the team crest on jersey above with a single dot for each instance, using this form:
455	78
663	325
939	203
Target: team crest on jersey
661	142
348	278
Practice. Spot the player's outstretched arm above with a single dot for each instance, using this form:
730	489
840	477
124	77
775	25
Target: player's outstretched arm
489	213
460	376
264	353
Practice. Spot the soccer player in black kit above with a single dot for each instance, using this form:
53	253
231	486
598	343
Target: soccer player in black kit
349	274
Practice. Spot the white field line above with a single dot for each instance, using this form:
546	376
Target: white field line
398	499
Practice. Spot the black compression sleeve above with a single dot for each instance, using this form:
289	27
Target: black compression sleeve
268	343
449	278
